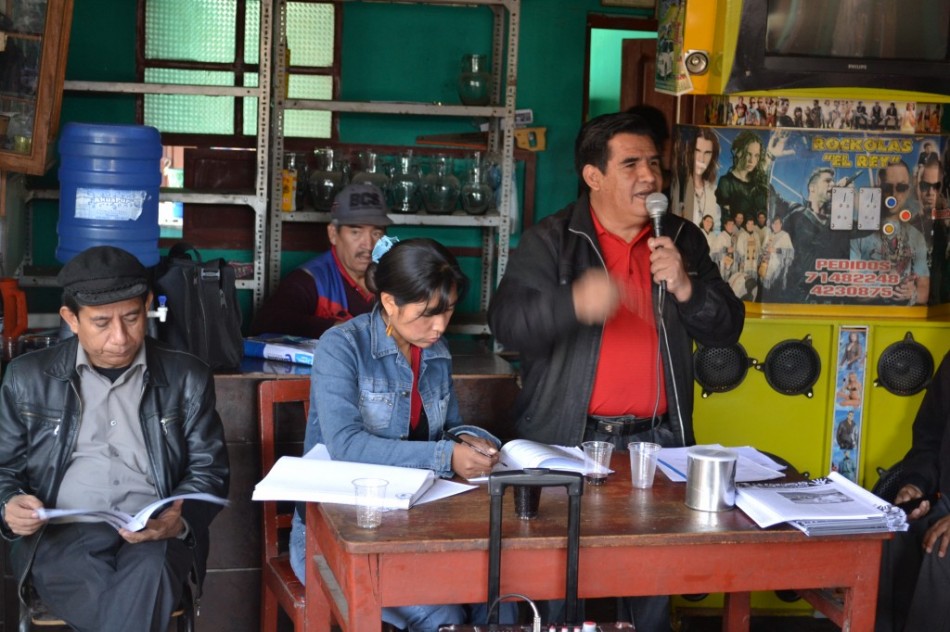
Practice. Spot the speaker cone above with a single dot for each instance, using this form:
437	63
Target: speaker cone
905	367
697	62
720	369
792	367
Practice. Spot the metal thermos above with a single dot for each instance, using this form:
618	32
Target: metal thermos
710	478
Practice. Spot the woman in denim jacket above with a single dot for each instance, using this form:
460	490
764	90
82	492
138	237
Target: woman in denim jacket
382	392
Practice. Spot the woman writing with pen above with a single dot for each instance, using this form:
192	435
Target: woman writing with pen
382	391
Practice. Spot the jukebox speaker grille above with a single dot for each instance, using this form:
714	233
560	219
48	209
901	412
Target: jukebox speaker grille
905	367
720	369
792	367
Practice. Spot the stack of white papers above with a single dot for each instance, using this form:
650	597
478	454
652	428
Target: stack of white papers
751	465
824	506
316	478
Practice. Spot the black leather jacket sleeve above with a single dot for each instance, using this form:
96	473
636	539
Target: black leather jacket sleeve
534	305
207	465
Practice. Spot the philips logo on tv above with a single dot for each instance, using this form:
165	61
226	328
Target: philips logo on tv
857	66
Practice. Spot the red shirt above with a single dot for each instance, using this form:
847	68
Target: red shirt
629	376
415	399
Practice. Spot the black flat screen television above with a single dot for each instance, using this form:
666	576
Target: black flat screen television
895	44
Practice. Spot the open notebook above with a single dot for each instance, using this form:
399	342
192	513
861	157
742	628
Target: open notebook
519	454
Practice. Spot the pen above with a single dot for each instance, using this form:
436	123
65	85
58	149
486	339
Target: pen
457	439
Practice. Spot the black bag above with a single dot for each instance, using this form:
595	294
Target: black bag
204	317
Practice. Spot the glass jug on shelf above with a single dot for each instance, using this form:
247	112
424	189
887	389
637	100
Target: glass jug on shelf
476	192
370	171
474	80
440	188
326	179
403	193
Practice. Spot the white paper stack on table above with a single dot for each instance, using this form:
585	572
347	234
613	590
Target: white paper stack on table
751	464
824	506
316	478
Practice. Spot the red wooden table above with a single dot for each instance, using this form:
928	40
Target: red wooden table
633	542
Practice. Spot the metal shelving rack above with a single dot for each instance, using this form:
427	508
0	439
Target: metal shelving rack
495	225
256	201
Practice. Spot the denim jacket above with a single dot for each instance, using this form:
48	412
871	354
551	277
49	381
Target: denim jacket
359	399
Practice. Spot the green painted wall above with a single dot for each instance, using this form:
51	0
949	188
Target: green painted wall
606	46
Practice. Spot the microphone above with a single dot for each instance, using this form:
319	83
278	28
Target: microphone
657	204
850	179
656	207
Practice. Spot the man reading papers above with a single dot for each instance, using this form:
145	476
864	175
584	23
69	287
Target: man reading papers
109	419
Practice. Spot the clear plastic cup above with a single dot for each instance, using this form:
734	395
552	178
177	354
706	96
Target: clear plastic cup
370	497
642	463
597	461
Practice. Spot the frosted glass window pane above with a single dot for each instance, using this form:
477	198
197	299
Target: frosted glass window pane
310	34
252	31
189	114
195	30
308	123
310	87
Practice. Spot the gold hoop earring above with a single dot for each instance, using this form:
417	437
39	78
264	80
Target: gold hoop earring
389	329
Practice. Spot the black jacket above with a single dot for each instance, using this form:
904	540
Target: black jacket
533	313
927	464
40	411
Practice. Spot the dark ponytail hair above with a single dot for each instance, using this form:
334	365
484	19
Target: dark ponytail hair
416	271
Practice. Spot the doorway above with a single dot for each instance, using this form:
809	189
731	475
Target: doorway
604	59
620	71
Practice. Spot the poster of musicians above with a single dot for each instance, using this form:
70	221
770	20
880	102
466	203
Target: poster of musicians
819	216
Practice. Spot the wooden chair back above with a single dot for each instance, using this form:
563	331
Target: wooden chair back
279	400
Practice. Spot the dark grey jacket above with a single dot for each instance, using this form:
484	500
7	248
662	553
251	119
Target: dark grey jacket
533	313
40	411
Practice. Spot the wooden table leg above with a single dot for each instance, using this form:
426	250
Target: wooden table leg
860	608
736	612
318	615
363	594
853	608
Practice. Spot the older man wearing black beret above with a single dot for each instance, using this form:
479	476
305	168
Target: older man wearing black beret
108	420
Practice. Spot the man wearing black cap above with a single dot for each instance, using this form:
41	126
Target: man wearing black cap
330	288
108	419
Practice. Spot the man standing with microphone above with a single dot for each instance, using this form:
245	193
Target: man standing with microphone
606	353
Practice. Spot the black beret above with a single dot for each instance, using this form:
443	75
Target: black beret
103	275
